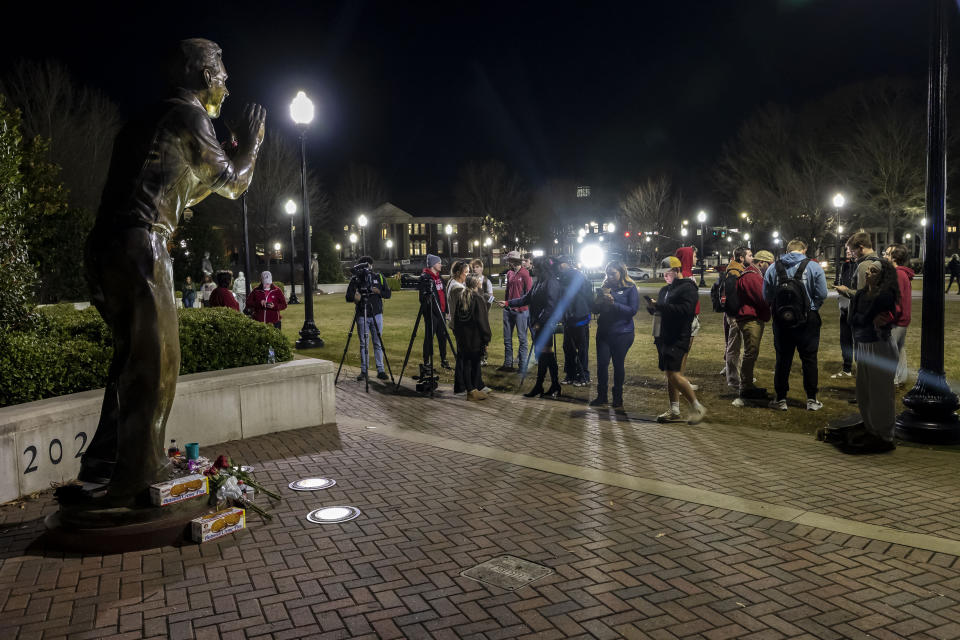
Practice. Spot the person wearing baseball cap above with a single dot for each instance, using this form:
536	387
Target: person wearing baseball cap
673	313
751	316
519	283
433	302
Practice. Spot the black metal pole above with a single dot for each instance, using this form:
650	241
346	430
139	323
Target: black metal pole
930	416
246	243
836	278
703	262
309	334
293	285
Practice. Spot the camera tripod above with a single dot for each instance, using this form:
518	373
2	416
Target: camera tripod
376	330
427	379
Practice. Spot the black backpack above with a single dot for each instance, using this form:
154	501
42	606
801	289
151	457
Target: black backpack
723	294
791	304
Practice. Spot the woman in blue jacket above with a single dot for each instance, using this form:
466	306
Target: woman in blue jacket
616	305
542	299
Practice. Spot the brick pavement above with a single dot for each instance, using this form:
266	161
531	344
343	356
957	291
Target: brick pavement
913	489
626	564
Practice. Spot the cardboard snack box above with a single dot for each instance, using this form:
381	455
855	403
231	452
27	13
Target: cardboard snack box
217	525
178	489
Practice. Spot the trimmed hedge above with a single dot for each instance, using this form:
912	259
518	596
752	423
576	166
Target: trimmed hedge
69	351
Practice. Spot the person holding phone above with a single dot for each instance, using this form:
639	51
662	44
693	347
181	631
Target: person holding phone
616	304
673	313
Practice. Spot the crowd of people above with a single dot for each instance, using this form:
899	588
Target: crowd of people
221	289
549	297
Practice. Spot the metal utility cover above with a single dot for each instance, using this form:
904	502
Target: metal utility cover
507	572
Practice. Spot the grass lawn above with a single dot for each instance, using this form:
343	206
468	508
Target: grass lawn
645	388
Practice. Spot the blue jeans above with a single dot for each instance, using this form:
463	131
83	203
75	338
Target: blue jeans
372	322
613	347
518	320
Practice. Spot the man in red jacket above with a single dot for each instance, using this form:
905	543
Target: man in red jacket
897	254
754	311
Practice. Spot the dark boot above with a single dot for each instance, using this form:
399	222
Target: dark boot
554	390
538	387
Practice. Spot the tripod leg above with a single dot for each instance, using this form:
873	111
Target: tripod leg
346	347
406	358
383	349
366	341
446	331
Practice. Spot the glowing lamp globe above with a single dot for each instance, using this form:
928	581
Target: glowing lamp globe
301	109
290	207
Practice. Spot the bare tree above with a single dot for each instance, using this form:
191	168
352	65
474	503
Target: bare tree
779	170
882	154
80	123
652	207
275	180
490	192
360	189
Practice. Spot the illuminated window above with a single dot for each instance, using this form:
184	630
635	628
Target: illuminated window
383	232
951	229
583	192
346	228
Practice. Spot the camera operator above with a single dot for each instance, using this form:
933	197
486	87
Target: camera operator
367	285
434	313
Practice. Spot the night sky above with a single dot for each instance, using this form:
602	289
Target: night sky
601	93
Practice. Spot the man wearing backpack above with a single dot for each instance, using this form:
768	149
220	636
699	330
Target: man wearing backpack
753	313
726	300
576	322
795	288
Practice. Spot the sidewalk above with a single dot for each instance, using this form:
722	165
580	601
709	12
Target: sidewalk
623	510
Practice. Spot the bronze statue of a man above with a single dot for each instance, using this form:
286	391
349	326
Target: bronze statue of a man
163	162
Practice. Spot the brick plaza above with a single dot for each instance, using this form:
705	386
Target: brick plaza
651	531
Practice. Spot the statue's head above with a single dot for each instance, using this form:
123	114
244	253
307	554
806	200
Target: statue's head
195	65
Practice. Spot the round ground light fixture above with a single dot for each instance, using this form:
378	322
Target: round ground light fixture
312	484
333	515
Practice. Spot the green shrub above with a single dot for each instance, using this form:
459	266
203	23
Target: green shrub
69	351
220	338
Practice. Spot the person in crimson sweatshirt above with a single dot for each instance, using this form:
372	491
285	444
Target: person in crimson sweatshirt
897	254
267	301
222	296
434	313
751	316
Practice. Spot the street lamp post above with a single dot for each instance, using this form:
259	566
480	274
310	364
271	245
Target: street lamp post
301	112
390	250
923	241
702	218
449	231
338	248
487	243
353	245
838	201
362	223
931	405
291	209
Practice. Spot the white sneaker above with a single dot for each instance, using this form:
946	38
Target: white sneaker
697	414
779	405
842	374
813	404
695	387
738	402
669	416
486	389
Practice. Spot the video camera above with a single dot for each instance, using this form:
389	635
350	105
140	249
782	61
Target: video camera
363	273
427	381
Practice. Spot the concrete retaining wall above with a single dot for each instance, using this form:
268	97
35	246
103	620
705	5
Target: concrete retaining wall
41	442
